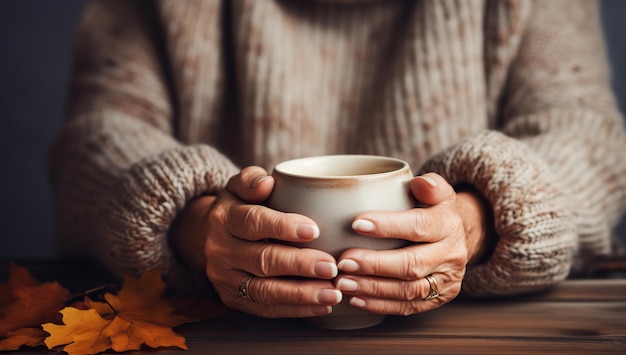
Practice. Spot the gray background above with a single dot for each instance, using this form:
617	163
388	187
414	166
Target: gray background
35	47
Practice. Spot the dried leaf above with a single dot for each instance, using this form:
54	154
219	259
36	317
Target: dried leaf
30	304
19	277
139	314
82	331
25	336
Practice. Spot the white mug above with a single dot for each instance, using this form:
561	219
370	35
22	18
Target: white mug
332	190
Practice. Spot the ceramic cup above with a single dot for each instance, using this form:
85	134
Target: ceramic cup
332	190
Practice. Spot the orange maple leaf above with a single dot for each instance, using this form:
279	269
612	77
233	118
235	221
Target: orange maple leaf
139	314
28	303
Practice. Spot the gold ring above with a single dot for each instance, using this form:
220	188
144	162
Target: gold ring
243	287
434	291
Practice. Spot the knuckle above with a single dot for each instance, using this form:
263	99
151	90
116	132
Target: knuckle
260	289
252	220
372	287
419	225
409	292
281	227
300	296
265	261
458	256
412	264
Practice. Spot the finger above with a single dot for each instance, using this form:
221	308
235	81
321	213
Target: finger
272	297
252	184
380	287
388	296
431	189
409	263
392	289
395	307
273	290
257	222
273	259
429	224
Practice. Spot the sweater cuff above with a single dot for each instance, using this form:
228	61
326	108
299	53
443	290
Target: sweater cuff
535	235
135	218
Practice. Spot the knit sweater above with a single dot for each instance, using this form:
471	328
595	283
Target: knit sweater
168	99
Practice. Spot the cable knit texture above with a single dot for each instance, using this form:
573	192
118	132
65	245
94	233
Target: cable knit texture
168	99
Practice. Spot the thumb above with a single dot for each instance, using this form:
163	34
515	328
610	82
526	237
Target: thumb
431	189
252	184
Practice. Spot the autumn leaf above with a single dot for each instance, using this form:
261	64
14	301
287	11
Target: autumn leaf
82	331
24	336
138	315
28	303
19	277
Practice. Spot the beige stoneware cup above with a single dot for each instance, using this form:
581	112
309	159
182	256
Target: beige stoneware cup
332	190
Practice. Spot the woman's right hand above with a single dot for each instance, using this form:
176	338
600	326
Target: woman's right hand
233	230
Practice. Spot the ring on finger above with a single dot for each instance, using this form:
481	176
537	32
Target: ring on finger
433	292
244	285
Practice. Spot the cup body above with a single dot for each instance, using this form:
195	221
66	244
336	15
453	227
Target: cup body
332	190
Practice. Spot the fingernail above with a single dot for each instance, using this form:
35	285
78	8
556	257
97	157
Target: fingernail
258	180
322	310
347	285
430	181
328	296
348	265
308	231
363	225
357	302
325	269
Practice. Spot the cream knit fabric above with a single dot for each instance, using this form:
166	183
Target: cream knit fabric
170	98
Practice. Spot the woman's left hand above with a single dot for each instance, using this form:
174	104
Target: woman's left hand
444	237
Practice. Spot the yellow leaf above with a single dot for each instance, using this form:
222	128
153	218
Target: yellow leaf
130	335
82	331
138	315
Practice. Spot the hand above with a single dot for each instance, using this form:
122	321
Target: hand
231	228
445	235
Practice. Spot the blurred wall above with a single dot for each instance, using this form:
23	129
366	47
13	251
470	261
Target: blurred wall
35	47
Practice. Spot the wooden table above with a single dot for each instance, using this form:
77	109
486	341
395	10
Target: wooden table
578	316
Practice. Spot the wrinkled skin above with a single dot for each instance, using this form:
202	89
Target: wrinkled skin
226	236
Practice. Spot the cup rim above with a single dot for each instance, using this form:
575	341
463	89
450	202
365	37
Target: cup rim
282	167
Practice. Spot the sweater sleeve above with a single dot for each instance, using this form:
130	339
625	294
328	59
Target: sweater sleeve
552	167
119	176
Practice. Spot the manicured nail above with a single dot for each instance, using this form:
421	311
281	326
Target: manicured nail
325	269
363	225
328	296
258	180
347	285
430	181
348	265
357	302
308	231
322	310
